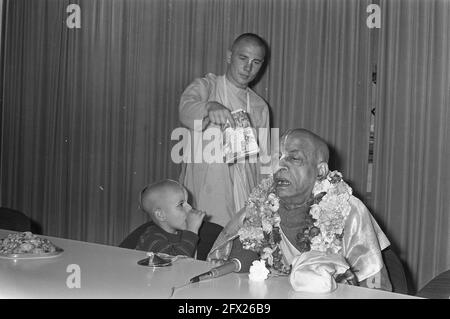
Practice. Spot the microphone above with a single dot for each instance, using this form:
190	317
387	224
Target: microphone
231	266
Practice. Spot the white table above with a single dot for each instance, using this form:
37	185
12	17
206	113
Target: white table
112	272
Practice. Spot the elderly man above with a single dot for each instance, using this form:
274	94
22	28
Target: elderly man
326	233
221	189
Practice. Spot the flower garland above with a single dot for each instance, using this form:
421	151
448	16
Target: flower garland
329	211
261	228
324	224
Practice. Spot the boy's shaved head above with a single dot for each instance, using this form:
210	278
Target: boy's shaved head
154	195
166	203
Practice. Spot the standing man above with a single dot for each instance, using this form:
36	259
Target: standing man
221	189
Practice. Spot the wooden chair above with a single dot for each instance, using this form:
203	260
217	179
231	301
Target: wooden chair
207	234
437	288
395	271
12	219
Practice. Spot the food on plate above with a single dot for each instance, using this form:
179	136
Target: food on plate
25	243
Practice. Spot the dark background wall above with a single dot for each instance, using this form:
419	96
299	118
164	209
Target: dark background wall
87	112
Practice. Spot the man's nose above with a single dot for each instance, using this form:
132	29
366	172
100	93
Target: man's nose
248	66
280	169
280	165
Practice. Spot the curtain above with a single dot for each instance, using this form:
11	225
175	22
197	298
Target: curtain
1	19
319	78
88	112
412	138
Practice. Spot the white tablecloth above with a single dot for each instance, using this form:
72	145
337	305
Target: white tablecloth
112	272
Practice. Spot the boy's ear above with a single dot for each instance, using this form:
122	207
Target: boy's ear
159	214
322	169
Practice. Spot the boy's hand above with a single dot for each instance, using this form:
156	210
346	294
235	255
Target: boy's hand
194	220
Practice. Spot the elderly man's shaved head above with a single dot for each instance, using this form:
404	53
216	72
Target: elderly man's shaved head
320	148
304	157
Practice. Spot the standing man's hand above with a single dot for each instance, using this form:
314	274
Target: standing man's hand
219	114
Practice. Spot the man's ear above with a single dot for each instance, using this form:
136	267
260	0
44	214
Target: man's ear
159	214
322	169
228	56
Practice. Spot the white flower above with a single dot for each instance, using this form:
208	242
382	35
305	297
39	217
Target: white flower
317	243
258	271
251	233
266	226
267	255
333	174
276	220
274	202
322	186
315	211
330	213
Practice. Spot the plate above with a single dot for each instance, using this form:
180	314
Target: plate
171	257
33	256
158	260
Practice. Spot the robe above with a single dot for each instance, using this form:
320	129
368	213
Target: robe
362	244
220	189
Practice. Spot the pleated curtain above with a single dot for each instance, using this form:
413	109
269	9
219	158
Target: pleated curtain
412	139
88	112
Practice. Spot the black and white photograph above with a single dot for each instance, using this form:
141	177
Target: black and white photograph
224	154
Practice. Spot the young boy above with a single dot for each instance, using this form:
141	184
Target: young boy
176	224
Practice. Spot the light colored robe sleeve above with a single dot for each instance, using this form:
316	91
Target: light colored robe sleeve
362	245
193	103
